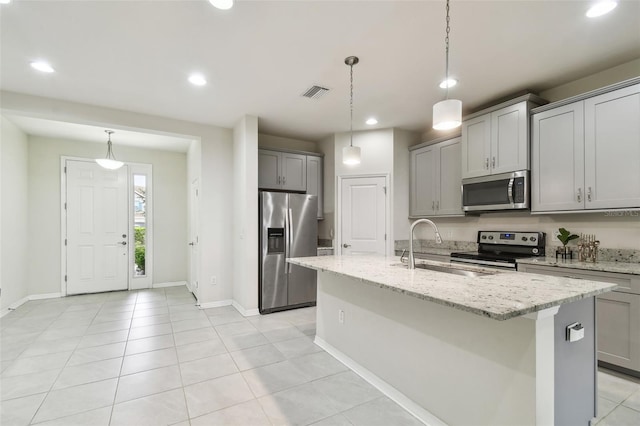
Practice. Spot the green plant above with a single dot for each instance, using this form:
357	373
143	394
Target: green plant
139	234
140	257
565	236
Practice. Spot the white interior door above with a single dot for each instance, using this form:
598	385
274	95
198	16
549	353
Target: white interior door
97	227
363	218
193	235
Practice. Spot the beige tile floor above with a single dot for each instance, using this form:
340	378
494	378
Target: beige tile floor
153	358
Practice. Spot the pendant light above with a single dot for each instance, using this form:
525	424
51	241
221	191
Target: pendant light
447	114
109	162
351	154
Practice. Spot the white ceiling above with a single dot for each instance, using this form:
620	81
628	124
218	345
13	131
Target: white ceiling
260	56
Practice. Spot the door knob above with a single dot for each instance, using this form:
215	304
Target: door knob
124	243
345	245
191	244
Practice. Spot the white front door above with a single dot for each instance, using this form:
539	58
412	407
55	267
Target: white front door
97	228
363	218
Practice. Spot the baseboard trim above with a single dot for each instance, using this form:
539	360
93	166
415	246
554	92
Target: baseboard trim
217	304
45	296
398	397
169	284
15	305
245	312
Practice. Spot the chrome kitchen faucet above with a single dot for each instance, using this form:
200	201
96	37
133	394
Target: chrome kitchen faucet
412	262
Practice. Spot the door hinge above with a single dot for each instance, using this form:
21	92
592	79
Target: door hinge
65	241
65	206
65	278
65	169
385	237
385	190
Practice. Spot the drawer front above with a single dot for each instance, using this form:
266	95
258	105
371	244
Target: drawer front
618	327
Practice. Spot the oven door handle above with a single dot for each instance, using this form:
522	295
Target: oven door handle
510	190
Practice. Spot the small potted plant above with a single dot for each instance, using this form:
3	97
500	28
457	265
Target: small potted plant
564	237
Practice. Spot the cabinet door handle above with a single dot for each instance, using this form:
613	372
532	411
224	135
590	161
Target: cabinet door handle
433	205
589	194
579	194
278	180
493	163
486	163
284	180
437	205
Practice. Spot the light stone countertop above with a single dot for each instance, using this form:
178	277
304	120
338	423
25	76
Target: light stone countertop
500	295
617	267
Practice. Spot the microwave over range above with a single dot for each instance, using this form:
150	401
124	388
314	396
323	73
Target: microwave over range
505	191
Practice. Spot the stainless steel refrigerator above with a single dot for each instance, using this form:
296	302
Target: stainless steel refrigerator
288	228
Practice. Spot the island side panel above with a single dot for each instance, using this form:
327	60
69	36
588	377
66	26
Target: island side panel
460	367
575	365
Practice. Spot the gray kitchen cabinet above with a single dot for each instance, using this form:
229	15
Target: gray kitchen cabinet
434	180
282	170
315	181
557	159
497	141
618	314
586	154
612	149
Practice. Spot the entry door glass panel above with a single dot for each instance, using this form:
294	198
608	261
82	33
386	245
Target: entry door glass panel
97	227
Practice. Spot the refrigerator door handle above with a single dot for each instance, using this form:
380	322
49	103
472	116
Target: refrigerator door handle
289	238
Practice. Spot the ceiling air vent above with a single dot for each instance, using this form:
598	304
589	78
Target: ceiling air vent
315	92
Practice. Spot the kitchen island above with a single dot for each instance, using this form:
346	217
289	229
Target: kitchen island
461	350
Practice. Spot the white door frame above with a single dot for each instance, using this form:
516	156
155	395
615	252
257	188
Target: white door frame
388	231
194	228
133	282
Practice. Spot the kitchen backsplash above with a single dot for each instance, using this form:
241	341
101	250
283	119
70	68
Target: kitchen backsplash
604	254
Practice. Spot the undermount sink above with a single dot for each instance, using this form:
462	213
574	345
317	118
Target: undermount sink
450	270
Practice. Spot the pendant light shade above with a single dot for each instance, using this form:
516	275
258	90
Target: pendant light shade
351	154
447	114
109	162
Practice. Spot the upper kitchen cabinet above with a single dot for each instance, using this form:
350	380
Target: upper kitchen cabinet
586	154
435	180
282	170
612	149
496	140
315	181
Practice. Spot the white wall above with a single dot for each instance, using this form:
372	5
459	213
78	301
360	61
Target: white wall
216	164
277	142
169	208
245	215
14	241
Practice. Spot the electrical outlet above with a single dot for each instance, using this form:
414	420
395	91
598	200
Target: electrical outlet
214	280
341	316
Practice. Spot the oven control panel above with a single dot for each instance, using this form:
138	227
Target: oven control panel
527	239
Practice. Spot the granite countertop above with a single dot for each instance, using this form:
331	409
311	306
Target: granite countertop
500	295
618	267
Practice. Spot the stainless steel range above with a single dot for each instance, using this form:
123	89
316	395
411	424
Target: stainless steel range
502	249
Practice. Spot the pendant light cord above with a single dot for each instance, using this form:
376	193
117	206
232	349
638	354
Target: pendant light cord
351	108
446	42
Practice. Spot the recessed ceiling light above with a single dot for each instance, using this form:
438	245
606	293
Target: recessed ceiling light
601	8
448	83
42	66
222	4
371	121
197	80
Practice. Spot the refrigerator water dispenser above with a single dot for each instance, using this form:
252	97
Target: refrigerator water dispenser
275	238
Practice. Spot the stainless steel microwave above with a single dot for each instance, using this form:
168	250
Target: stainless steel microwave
505	191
